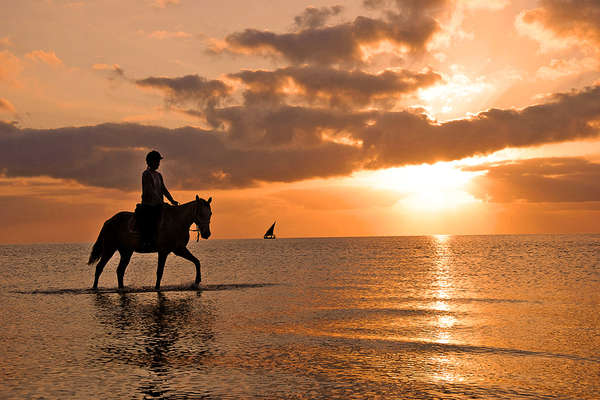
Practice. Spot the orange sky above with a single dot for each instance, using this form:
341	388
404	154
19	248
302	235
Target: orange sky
362	117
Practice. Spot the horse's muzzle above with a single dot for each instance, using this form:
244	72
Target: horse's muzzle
205	233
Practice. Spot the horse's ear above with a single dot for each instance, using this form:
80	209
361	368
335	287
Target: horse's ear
197	198
209	200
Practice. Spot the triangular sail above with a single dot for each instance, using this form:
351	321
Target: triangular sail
269	234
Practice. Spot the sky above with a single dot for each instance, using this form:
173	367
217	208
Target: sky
333	118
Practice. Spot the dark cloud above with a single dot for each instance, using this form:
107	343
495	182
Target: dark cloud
375	4
284	126
407	24
189	88
408	138
335	87
313	17
407	6
339	44
397	138
577	18
112	155
540	180
285	143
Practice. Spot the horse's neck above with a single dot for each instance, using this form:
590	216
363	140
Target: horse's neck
182	215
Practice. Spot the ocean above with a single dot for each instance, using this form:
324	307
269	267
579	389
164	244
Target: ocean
429	317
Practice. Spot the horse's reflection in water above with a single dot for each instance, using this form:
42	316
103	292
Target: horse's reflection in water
161	336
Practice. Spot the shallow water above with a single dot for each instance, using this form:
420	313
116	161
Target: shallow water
490	317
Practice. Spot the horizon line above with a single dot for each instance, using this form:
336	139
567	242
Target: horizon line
341	237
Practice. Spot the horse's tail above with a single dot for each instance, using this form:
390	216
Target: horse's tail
98	247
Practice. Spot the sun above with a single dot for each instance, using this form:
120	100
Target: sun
455	97
426	187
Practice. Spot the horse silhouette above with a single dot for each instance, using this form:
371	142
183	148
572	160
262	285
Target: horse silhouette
118	234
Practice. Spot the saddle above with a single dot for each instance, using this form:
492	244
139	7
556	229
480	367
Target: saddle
145	219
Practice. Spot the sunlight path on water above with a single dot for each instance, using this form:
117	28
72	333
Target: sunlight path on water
443	290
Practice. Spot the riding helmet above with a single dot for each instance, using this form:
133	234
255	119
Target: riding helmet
153	155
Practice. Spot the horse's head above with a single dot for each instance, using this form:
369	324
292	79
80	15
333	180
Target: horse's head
202	216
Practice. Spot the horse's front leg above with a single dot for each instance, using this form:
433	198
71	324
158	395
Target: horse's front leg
185	253
162	259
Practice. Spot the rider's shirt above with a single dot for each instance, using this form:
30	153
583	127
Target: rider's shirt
152	187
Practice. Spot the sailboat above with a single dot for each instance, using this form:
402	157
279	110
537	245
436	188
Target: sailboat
269	234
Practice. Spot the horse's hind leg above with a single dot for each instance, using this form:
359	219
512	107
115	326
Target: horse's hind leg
125	257
162	259
185	253
100	266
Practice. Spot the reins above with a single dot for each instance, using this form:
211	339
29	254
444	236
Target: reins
198	223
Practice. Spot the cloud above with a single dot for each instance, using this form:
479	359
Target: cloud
284	143
413	7
165	3
115	71
169	35
6	106
563	19
375	4
106	67
75	4
409	27
493	5
190	88
111	155
10	67
539	180
48	57
339	88
559	68
5	41
272	126
313	17
568	116
399	138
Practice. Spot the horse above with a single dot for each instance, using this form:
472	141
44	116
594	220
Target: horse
119	234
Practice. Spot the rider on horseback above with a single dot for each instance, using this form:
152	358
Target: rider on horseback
153	190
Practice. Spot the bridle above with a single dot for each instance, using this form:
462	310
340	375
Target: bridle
200	222
203	222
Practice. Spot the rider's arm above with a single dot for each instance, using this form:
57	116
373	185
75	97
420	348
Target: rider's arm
167	194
